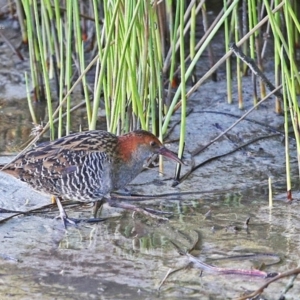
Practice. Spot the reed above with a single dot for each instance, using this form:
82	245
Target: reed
228	61
284	38
137	48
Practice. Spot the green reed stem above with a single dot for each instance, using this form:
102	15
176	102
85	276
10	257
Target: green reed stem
286	127
173	40
100	38
85	85
183	83
61	80
193	31
41	47
278	74
278	35
31	109
68	74
252	19
57	32
31	43
238	61
228	61
291	75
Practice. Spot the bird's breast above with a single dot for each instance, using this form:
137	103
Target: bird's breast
124	173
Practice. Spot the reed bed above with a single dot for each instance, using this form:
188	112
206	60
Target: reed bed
137	50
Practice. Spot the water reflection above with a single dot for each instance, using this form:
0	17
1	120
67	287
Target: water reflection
126	254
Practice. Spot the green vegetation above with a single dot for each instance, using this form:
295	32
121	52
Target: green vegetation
137	49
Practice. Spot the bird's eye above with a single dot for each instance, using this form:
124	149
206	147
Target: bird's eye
153	144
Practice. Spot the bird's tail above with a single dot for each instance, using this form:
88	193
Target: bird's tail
6	169
3	167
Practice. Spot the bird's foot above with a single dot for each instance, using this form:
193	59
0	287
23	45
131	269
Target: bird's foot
97	207
155	214
63	215
72	221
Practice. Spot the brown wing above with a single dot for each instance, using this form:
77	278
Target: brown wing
55	159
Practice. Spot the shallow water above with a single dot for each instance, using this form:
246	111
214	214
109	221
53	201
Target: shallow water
128	257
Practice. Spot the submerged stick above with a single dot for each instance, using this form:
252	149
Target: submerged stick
261	289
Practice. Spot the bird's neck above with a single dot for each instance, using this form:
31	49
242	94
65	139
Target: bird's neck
126	148
129	161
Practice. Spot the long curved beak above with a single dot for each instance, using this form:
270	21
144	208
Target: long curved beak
168	153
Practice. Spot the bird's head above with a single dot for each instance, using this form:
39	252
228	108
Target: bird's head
143	144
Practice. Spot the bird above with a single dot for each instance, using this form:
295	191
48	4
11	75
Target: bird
87	166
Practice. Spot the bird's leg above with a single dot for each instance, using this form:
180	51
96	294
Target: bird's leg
97	207
63	215
66	220
146	211
53	199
